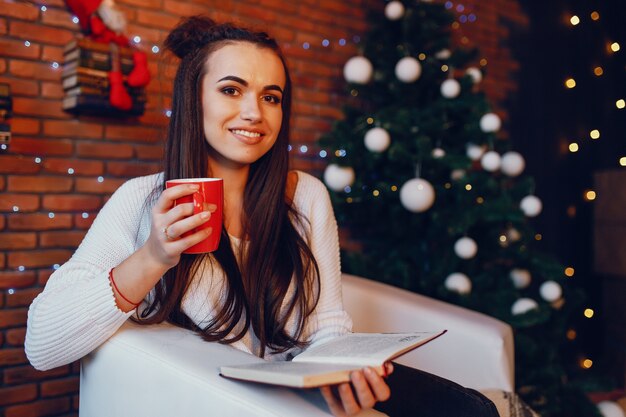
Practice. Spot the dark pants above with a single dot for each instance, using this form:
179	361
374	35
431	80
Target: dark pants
415	393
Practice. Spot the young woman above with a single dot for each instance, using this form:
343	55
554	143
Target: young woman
272	288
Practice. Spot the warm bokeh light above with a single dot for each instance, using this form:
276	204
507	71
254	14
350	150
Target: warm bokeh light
349	199
595	15
569	271
614	47
394	188
444	68
571	334
468	187
483	62
622	161
376	193
570	83
588	313
573	147
598	71
620	104
586	363
447	186
594	134
571	211
421	56
480	200
574	20
538	236
455	25
590	195
370	120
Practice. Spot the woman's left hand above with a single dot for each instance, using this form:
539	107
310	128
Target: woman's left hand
368	386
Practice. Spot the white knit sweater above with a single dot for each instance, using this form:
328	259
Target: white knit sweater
77	312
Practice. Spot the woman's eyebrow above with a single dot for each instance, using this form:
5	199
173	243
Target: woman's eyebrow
245	83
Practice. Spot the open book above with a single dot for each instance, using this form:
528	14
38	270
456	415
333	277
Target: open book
332	362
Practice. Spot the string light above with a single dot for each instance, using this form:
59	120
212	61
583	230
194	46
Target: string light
100	179
483	62
51	215
323	154
75	20
571	334
468	187
622	161
598	71
85	215
70	171
304	149
155	49
26	44
595	15
594	134
21	268
590	195
137	39
342	42
44	8
444	68
56	266
538	236
588	313
16	209
574	20
570	83
325	42
306	45
376	193
370	120
38	160
394	188
587	363
614	47
620	104
573	147
11	291
55	65
569	271
289	148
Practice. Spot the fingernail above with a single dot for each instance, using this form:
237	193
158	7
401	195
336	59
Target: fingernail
205	215
369	371
212	207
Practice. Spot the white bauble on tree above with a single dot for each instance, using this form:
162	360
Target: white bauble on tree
450	88
459	283
610	409
521	278
491	161
550	291
475	74
531	205
394	10
408	69
337	178
490	122
438	153
377	139
465	248
523	305
513	164
417	195
474	152
358	70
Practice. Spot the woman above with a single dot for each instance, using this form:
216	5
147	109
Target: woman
272	288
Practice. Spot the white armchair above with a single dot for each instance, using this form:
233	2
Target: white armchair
164	371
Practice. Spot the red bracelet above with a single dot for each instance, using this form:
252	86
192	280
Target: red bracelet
118	290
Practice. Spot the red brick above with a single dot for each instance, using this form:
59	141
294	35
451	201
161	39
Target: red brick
37	32
148	36
25	126
13	317
52	53
57	17
131	169
24	202
22	298
38	107
18	164
3	27
40	408
72	128
17	49
104	150
18	394
84	223
61	239
41	147
3	65
150	4
26	183
15	337
43	275
156	19
38	259
3	222
21	87
52	90
16	279
34	70
39	221
59	387
92	186
149	152
18	241
133	133
183	8
80	167
22	374
24	11
71	202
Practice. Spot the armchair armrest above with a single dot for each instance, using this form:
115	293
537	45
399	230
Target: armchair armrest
476	352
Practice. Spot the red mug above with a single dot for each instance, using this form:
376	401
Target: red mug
211	192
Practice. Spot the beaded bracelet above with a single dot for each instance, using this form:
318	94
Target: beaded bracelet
118	290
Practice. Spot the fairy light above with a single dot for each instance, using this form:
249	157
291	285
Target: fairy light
421	56
342	153
394	188
571	211
569	271
570	83
304	149
571	334
614	47
620	104
590	195
370	120
325	43
347	189
479	200
468	187
155	49
38	160
349	200
11	291
354	93
622	161
483	62
595	16
588	313
444	68
70	171
16	209
137	39
356	39
574	20
289	148
168	113
56	266
85	215
100	179
21	268
51	215
55	65
586	363
538	236
75	20
594	134
376	193
598	71
342	42
573	147
26	44
44	8
323	154
306	45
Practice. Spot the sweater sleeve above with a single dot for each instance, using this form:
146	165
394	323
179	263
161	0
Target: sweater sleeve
76	312
329	318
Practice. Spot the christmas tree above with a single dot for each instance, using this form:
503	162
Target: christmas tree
438	203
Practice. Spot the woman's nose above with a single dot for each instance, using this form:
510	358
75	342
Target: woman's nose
250	109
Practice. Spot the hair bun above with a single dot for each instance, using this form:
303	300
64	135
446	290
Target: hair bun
189	35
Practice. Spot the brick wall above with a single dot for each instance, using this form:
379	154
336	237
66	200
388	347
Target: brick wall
45	211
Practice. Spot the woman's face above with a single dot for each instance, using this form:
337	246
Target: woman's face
242	93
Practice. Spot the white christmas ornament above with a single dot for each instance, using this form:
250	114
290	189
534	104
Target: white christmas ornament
408	69
474	152
610	409
459	283
337	178
523	305
417	195
550	291
443	54
438	153
520	277
377	139
465	248
490	122
531	206
394	10
450	88
475	74
491	161
358	70
513	164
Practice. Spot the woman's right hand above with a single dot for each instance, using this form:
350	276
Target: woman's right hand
170	222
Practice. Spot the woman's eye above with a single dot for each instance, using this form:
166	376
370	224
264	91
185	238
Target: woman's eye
229	91
271	99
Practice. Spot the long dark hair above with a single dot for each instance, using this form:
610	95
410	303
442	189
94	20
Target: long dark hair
276	255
